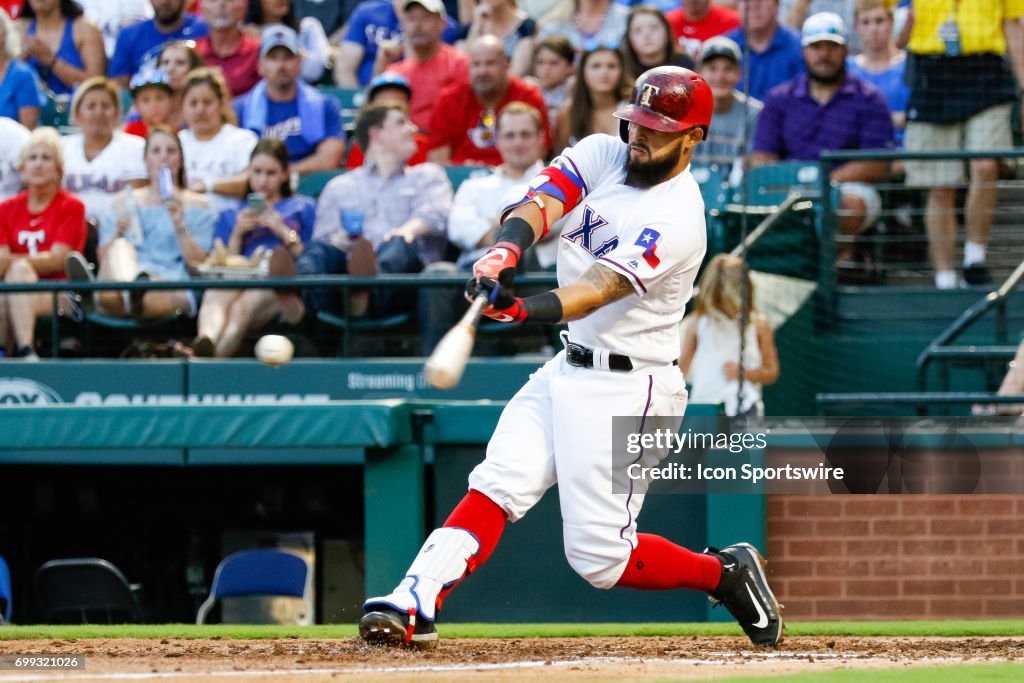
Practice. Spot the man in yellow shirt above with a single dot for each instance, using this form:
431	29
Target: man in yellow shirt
965	70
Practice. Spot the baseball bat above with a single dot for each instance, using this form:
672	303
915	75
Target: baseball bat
444	368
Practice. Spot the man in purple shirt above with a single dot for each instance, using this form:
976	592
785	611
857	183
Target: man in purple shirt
774	55
827	109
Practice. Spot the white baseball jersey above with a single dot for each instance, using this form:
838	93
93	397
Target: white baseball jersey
97	182
656	238
112	16
13	137
557	429
224	155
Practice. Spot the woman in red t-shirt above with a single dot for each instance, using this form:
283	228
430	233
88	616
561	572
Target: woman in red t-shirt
38	227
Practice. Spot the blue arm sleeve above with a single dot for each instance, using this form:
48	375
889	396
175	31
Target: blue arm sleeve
332	119
225	225
121	64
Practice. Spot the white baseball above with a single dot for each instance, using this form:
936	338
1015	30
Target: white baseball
273	349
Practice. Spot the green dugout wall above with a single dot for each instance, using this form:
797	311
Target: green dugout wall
415	452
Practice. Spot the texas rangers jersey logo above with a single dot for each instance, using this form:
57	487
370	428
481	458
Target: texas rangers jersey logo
584	235
32	239
648	239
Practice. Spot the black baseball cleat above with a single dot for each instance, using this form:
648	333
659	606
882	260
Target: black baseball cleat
744	591
390	627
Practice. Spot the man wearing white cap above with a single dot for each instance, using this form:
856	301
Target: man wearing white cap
282	106
372	26
828	109
429	62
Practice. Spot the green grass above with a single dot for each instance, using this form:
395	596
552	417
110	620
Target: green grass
985	673
830	628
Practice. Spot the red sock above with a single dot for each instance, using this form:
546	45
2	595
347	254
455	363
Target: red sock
659	564
480	516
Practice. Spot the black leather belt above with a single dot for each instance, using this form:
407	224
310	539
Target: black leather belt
581	357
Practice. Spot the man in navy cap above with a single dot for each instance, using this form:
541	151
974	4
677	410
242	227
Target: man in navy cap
282	106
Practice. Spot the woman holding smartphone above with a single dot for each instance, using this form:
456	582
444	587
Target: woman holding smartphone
272	218
160	231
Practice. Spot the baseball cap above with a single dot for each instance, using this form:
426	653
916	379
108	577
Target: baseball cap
388	79
150	76
432	6
824	26
279	36
720	46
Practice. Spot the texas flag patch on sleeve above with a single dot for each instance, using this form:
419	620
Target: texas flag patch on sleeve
649	241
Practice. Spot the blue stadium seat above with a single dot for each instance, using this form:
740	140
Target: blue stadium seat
365	325
714	190
56	112
6	599
127	102
312	184
792	246
458	174
264	572
349	100
714	184
362	324
770	185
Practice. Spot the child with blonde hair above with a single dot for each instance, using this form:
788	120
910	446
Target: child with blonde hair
711	341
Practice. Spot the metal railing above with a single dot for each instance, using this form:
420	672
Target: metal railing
764	226
994	299
898	243
919	399
341	282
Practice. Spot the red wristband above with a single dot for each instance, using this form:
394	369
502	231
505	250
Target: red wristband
516	313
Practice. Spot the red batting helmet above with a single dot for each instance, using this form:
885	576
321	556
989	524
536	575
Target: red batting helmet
667	98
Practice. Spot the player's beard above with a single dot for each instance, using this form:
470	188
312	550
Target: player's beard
645	174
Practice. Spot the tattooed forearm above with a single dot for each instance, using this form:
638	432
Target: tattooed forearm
612	285
597	287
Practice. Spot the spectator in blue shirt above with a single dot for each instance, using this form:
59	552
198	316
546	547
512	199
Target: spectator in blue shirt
827	109
143	41
775	55
663	6
21	93
372	25
61	44
881	63
284	107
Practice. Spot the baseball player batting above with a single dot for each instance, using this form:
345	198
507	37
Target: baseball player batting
632	238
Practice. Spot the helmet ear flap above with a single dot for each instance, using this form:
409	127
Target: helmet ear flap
624	130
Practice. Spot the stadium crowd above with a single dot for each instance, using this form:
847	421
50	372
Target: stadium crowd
193	121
